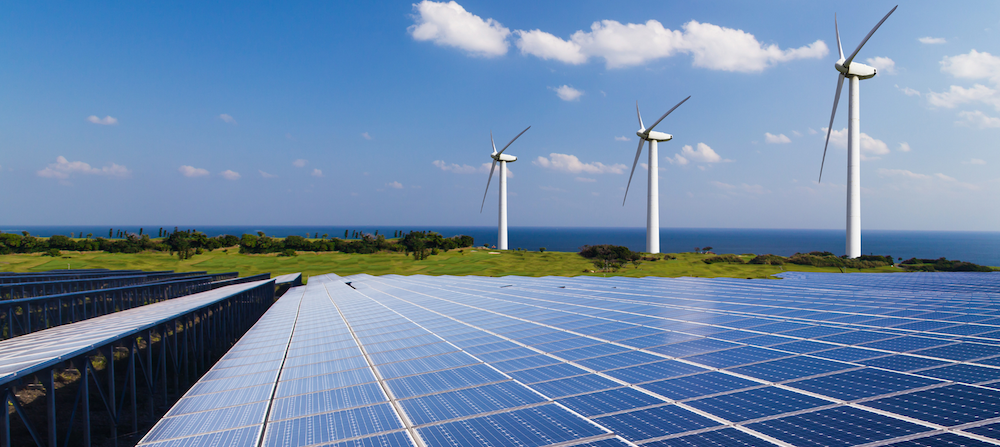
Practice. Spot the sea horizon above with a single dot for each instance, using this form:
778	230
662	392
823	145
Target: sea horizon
980	247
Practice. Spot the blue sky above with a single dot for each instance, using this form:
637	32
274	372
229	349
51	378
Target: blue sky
340	113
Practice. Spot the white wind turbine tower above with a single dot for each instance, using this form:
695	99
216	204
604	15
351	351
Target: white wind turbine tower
503	159
653	195
855	71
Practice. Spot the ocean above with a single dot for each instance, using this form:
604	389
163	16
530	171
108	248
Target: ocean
979	247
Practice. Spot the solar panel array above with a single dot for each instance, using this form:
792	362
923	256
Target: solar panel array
23	356
810	360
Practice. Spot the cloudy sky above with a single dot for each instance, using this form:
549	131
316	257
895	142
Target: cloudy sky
337	113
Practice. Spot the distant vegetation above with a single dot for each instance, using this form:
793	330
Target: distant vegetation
188	243
815	259
942	265
611	258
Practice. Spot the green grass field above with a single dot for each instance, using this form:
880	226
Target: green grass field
455	262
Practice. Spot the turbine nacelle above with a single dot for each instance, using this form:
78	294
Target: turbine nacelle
653	135
503	157
858	69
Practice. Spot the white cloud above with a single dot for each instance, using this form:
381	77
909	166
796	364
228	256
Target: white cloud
868	144
623	45
262	174
957	95
394	185
622	138
191	171
913	176
932	40
908	91
567	93
366	136
570	163
551	189
546	46
450	25
975	161
796	133
812	131
776	139
745	188
586	180
300	163
703	154
107	120
458	169
974	65
904	147
882	172
230	175
62	169
883	64
229	119
978	119
677	159
317	173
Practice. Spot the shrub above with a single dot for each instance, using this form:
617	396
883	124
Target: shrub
769	259
288	252
728	259
52	252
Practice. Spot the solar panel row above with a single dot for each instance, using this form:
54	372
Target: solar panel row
810	360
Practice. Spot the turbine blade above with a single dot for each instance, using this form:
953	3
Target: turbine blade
488	186
837	29
641	126
836	99
493	142
634	163
848	61
668	112
512	141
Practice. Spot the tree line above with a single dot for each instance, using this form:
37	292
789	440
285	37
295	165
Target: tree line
187	243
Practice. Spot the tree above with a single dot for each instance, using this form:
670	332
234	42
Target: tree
140	231
707	249
110	232
326	235
541	249
345	234
90	235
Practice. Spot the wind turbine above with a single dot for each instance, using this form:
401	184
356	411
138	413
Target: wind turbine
855	71
653	196
503	159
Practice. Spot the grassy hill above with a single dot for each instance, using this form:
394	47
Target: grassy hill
454	262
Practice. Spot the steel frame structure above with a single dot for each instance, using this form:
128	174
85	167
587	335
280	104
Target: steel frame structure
188	341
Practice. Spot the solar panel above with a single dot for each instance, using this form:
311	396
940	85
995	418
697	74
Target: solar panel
813	359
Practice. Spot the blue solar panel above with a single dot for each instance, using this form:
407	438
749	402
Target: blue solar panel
698	385
533	426
479	361
726	437
655	422
841	426
756	403
950	405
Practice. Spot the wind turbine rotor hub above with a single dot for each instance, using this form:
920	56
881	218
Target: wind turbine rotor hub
658	136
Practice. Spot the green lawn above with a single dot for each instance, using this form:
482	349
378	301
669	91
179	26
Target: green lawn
455	262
